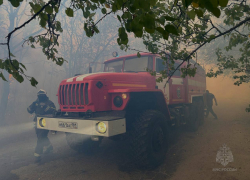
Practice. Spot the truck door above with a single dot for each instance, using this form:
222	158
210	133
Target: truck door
160	65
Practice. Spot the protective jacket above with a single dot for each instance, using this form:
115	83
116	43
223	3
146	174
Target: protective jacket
41	108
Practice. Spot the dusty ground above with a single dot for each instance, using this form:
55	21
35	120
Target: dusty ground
191	157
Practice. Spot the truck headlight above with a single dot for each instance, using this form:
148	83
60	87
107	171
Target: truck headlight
124	96
118	101
42	122
101	127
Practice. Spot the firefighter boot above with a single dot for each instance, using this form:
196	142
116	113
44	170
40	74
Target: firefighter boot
37	158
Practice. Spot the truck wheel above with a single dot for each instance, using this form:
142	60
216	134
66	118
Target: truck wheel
149	139
82	143
193	117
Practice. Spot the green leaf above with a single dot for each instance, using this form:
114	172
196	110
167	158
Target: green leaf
1	2
49	9
32	46
114	7
12	55
18	77
36	8
214	3
171	29
42	23
168	18
1	75
149	30
123	37
119	18
160	30
91	15
212	36
199	12
23	66
223	3
31	39
187	2
56	9
15	3
44	16
1	64
104	10
138	55
96	29
138	32
216	12
33	82
209	6
152	2
161	20
86	14
165	35
148	21
15	63
191	14
69	12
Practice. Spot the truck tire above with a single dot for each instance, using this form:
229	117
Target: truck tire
193	120
82	143
148	139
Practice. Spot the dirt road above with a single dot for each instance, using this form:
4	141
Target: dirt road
191	157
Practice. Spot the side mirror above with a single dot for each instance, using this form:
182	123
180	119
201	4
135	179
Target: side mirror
90	69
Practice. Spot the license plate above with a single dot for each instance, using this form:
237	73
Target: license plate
68	125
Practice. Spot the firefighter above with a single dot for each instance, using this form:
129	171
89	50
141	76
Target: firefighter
42	106
208	103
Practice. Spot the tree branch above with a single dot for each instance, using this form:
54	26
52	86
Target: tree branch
196	49
19	27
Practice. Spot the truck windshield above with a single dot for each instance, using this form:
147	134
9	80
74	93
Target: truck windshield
136	64
114	66
133	64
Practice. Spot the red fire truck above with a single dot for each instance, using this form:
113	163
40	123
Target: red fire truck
125	102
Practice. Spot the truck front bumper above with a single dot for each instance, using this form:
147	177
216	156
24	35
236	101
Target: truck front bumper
79	126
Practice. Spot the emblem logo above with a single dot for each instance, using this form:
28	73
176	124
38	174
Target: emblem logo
179	93
224	155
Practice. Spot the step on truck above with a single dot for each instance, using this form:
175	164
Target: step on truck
125	102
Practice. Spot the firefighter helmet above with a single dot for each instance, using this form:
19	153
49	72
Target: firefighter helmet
41	92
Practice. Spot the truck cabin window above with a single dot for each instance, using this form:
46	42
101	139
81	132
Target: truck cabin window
114	66
134	64
161	66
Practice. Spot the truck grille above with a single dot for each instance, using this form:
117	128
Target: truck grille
74	94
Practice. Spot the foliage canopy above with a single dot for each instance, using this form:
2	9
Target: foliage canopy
180	27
